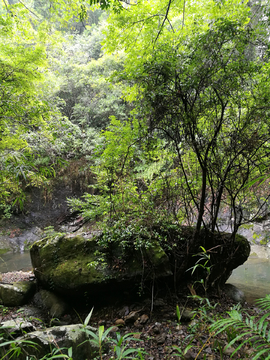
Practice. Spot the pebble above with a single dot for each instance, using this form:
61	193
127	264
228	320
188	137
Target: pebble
228	350
120	322
132	317
143	319
160	339
11	277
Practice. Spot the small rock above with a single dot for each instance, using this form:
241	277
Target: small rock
159	302
101	322
138	324
190	355
17	294
131	317
56	306
114	329
160	339
186	314
228	350
120	322
234	293
156	328
143	319
124	312
208	350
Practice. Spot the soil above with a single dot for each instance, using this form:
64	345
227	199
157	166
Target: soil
153	322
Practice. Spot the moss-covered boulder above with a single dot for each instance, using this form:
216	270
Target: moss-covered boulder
74	266
209	261
16	294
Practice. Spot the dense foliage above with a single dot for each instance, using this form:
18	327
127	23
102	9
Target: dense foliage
169	100
198	137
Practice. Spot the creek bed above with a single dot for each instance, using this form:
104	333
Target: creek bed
15	261
253	277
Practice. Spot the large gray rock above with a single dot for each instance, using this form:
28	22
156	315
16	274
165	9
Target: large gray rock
74	266
16	294
59	338
17	240
16	327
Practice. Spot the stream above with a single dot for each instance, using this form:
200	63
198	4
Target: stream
15	261
253	277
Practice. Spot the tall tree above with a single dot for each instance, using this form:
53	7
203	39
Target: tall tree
23	62
199	90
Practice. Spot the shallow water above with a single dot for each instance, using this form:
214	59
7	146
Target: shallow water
253	277
15	261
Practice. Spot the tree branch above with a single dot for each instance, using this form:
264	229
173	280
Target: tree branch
165	18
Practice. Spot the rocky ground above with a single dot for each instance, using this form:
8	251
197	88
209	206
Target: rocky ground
153	322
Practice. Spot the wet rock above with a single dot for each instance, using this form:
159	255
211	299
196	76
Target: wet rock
74	266
17	239
53	303
16	294
234	293
17	327
70	336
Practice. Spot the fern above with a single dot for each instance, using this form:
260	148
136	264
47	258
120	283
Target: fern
250	331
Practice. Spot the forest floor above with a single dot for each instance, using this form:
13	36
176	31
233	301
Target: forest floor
154	324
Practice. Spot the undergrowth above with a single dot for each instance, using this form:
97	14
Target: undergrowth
248	337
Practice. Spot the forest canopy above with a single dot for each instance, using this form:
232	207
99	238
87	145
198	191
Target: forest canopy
170	100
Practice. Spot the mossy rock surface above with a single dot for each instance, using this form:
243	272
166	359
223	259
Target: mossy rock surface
74	265
78	267
16	294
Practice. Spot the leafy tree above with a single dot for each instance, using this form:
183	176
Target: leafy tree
89	98
22	109
205	103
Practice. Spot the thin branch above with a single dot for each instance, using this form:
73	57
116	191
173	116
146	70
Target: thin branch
184	8
28	9
165	18
6	6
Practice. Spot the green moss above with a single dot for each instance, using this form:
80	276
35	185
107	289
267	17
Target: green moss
76	272
4	251
243	243
264	241
247	226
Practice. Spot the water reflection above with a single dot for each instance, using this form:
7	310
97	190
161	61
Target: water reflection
15	262
253	278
